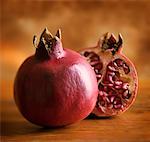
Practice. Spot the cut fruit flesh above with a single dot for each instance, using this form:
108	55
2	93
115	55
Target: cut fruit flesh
116	77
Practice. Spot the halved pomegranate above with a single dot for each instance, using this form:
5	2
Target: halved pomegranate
116	76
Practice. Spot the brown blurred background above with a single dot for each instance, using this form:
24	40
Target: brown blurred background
82	24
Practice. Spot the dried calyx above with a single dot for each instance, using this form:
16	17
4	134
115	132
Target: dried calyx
49	46
109	42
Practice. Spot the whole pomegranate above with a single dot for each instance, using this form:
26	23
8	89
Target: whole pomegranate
56	86
116	76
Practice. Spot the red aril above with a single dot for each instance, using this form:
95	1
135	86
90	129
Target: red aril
116	76
55	86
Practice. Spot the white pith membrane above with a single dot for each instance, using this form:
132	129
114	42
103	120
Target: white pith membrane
116	77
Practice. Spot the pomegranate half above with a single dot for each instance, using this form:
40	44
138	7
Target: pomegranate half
116	76
56	86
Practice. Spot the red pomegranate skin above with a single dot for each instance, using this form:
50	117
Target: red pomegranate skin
53	91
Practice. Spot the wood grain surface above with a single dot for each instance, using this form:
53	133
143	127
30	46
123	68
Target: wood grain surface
132	126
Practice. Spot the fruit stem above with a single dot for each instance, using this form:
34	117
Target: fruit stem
49	46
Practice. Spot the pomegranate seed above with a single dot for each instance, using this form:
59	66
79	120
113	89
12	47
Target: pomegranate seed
100	93
110	73
112	99
126	68
110	85
86	54
117	103
96	70
98	76
110	78
126	94
111	68
118	106
105	94
118	87
92	63
119	62
107	100
114	64
125	86
118	83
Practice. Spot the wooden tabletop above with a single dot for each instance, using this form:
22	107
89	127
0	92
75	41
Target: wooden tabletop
132	126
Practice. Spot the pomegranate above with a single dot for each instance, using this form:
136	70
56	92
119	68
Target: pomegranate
116	76
56	86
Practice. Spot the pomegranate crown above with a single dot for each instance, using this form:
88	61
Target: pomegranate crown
49	43
47	38
108	42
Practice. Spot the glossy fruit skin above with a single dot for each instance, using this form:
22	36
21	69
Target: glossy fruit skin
106	52
55	92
